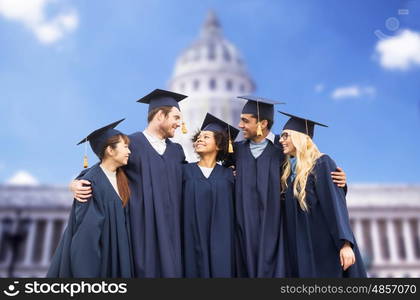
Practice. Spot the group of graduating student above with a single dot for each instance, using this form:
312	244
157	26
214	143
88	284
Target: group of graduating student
267	206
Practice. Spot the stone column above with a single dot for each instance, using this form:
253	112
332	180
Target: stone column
376	242
392	241
418	237
1	237
408	241
46	254
9	254
358	232
30	243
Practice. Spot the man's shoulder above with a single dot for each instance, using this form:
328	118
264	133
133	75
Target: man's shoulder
241	143
135	135
173	144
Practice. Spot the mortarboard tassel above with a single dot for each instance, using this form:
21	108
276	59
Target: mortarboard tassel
184	128
85	158
259	129
85	162
230	147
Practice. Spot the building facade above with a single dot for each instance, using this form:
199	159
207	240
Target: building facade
32	220
385	221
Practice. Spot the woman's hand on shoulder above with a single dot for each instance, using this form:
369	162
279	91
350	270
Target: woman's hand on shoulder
81	190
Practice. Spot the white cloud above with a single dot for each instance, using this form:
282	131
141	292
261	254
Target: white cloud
319	88
22	178
400	52
353	91
33	14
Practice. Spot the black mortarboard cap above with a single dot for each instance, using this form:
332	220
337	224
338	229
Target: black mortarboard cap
300	124
98	138
212	123
261	107
159	98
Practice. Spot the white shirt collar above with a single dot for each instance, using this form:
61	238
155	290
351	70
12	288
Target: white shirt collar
271	137
153	138
158	144
108	172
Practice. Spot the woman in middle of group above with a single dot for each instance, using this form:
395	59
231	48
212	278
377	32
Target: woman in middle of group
208	191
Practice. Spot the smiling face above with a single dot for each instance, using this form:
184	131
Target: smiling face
286	142
118	151
205	143
248	125
171	122
122	153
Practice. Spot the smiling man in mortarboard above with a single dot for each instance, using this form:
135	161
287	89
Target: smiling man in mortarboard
154	172
258	160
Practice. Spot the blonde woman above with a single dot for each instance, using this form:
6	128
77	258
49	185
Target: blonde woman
319	239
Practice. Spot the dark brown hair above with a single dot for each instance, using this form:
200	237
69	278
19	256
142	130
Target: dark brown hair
122	180
165	110
269	122
222	142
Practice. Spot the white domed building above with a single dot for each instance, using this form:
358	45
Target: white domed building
212	73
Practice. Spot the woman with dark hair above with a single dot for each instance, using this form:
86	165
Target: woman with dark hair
319	238
96	242
208	204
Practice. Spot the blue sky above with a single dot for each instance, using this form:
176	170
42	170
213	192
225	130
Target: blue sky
68	67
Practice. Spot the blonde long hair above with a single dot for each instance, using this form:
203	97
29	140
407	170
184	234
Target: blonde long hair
306	155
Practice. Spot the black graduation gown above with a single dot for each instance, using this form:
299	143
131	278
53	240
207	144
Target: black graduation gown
208	222
155	206
260	248
96	242
314	238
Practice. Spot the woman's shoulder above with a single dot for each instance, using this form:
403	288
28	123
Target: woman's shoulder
325	161
92	174
189	166
226	172
188	170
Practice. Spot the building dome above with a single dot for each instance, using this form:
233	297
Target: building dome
210	53
212	73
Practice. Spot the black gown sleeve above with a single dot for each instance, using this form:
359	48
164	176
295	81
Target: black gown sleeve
333	202
230	159
82	173
85	251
